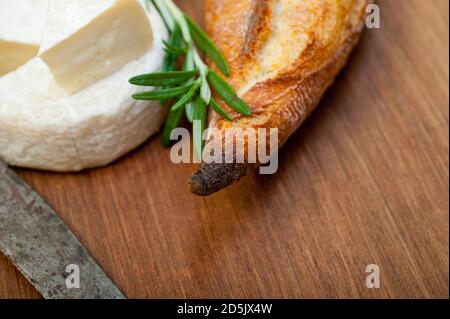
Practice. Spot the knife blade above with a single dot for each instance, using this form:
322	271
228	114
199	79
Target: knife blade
42	247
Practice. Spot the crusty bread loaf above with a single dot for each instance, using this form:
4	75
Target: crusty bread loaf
283	56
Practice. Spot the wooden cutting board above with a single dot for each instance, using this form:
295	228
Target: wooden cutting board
364	181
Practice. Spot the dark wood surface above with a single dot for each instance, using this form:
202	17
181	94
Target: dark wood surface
364	181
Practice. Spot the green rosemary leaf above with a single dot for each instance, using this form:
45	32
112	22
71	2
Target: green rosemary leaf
208	46
190	111
172	120
199	115
219	110
169	48
170	60
163	94
228	94
189	95
169	78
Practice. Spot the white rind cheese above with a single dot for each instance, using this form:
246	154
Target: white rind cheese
21	26
43	127
86	40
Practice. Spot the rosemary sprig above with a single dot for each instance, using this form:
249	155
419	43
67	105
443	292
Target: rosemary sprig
164	94
164	78
190	86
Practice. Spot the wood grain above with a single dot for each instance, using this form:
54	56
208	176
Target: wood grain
364	181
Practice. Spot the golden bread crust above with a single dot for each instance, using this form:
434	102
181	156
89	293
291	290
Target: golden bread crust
283	56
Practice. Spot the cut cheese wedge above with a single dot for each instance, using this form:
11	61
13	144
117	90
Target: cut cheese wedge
43	127
86	40
21	26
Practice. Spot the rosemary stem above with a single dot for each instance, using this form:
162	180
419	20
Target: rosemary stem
191	86
179	18
167	17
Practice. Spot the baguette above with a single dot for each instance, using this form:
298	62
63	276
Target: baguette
283	56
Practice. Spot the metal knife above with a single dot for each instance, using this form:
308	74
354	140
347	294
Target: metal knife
42	247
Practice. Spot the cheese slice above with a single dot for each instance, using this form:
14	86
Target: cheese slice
86	40
21	26
44	127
